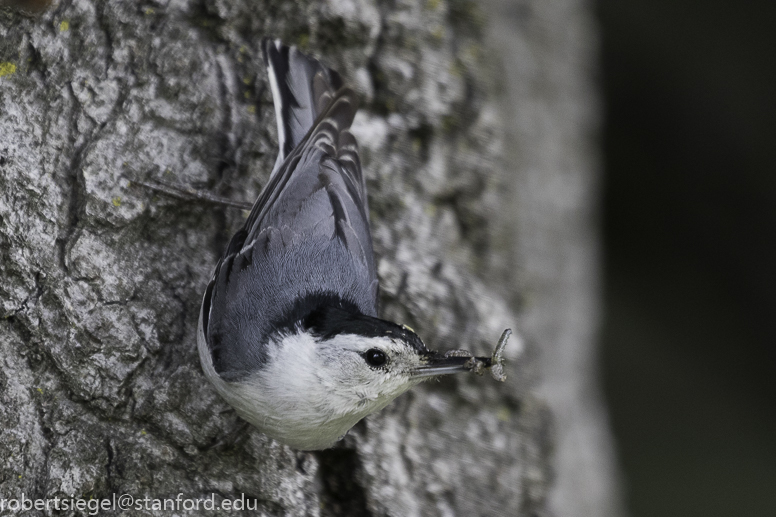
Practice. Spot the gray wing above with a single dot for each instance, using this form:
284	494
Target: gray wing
306	242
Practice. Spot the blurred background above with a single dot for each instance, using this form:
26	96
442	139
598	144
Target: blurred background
689	341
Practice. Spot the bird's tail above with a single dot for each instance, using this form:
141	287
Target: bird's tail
301	89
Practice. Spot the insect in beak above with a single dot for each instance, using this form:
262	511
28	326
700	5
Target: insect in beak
456	361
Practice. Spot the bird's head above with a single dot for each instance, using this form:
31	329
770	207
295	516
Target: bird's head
368	361
332	369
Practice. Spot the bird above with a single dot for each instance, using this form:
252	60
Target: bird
289	333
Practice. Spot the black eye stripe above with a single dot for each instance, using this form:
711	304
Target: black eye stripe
375	357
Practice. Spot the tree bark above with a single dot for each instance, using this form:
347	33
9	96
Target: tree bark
101	390
552	112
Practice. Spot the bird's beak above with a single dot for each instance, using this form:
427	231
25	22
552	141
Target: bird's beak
438	364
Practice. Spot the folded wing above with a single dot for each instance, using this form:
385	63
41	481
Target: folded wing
307	239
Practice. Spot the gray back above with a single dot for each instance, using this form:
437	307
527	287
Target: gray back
307	241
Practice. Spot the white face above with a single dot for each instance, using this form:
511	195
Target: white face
367	373
313	390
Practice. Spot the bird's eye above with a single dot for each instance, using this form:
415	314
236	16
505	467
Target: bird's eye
375	357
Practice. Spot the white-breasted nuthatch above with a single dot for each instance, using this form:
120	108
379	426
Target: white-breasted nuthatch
288	330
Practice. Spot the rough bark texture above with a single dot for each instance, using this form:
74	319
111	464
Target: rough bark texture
101	390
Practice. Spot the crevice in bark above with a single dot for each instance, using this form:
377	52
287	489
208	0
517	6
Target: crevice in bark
103	21
206	20
73	181
34	297
379	104
109	466
41	481
341	493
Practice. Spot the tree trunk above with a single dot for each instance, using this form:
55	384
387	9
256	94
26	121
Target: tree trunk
101	388
553	114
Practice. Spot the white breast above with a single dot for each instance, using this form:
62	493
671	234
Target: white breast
294	406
